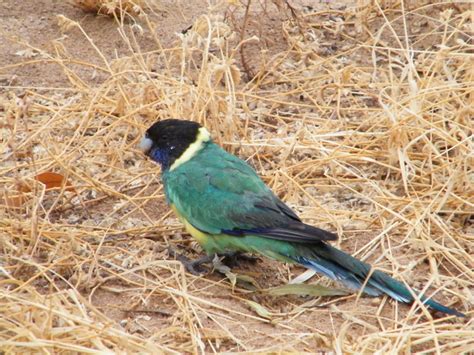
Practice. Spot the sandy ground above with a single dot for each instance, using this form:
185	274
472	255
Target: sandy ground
36	23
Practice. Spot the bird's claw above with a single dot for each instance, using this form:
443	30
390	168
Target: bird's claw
194	267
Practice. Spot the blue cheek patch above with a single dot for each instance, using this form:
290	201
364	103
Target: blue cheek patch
160	156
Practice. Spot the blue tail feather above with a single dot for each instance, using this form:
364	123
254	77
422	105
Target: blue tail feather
352	273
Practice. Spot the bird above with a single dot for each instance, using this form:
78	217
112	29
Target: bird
228	209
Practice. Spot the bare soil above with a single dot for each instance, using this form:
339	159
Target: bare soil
36	23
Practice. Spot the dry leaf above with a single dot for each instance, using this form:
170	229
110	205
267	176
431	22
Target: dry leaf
305	290
52	180
259	309
27	53
245	281
15	196
14	201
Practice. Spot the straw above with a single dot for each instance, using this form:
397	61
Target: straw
363	124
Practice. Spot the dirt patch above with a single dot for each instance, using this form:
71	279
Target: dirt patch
36	23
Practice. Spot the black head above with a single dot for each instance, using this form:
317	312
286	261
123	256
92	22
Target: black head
168	140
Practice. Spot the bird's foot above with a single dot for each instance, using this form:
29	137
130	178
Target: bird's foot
192	266
231	259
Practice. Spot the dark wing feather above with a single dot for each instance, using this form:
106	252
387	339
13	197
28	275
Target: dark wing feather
298	232
219	193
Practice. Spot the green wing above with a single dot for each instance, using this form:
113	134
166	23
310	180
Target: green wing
219	193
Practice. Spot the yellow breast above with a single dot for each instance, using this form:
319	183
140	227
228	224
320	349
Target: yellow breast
201	237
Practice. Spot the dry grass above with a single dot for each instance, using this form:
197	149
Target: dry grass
363	125
111	7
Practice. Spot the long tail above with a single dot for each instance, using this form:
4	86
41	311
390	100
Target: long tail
353	273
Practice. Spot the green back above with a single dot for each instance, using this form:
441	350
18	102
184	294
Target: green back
217	191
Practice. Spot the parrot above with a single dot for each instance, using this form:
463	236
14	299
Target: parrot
227	208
